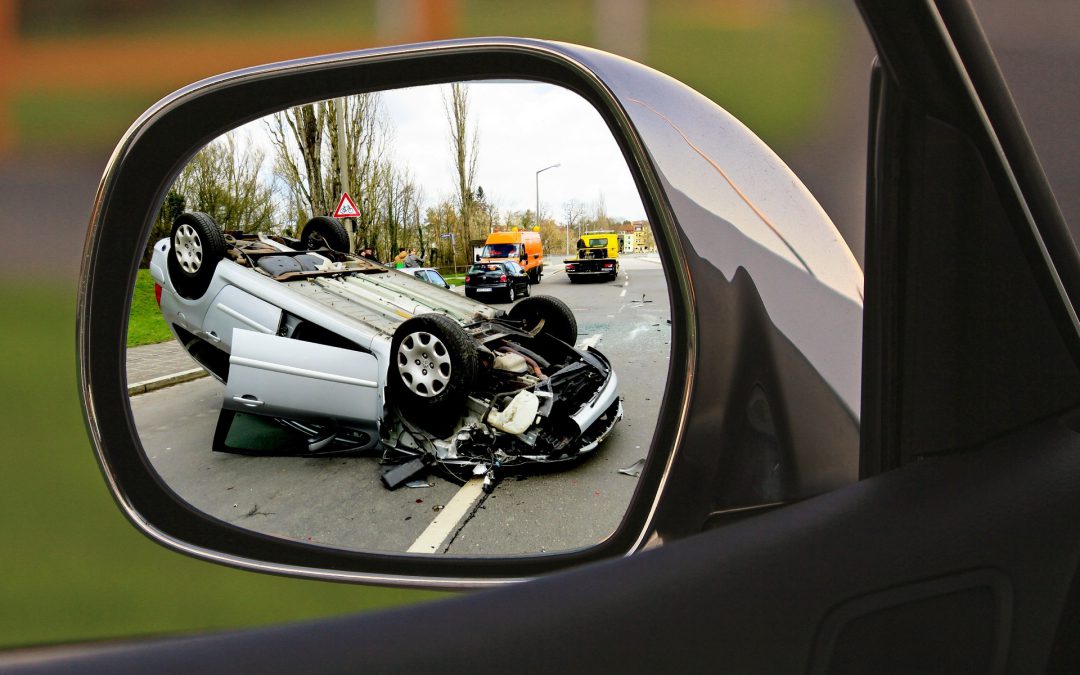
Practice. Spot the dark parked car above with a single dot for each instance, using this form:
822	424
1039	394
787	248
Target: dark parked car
918	513
490	280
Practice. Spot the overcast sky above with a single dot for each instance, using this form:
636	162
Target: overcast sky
522	127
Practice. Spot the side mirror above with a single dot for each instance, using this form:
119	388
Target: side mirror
338	363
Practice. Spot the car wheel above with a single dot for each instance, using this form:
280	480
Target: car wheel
510	295
324	232
432	370
196	245
527	292
556	318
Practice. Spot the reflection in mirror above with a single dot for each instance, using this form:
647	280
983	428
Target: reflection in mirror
365	324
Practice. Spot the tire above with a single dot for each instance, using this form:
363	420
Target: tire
528	291
510	294
432	369
196	245
535	276
324	232
559	321
572	279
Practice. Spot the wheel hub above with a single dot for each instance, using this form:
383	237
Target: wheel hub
423	364
188	248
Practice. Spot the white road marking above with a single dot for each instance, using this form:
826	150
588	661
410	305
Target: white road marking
623	294
446	523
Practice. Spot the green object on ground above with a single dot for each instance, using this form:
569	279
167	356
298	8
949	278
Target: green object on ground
73	568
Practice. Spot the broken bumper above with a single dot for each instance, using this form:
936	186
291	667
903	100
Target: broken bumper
588	414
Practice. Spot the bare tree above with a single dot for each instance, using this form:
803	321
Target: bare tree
573	212
440	224
304	140
223	180
298	136
367	135
401	197
464	148
487	210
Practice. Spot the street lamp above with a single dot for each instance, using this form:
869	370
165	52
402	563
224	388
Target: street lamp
538	191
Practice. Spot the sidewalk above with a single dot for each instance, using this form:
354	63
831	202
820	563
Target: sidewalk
152	367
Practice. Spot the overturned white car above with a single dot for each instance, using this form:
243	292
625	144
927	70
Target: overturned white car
322	352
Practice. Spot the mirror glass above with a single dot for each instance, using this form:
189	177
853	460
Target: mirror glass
428	320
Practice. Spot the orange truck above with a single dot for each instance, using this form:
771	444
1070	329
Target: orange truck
521	247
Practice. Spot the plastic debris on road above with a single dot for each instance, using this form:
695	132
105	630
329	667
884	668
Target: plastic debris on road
634	470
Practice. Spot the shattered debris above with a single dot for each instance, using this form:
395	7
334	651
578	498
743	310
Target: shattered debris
634	470
419	484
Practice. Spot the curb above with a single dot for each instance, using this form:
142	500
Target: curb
165	381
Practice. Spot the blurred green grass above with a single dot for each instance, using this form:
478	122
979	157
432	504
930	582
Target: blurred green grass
76	120
72	567
770	66
772	72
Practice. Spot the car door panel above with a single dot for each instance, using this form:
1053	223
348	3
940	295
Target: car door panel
234	308
298	380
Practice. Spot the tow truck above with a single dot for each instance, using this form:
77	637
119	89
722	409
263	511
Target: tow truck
597	257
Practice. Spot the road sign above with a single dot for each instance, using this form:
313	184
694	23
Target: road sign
346	207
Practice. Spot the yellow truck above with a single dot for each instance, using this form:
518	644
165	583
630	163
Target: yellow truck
597	257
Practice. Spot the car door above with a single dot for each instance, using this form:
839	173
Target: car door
516	277
290	379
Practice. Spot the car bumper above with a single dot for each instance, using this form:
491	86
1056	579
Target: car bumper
592	411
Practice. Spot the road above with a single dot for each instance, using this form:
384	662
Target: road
341	501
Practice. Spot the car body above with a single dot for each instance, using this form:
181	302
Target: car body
342	346
504	280
428	274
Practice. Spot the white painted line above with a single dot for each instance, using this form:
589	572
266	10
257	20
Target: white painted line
431	539
623	294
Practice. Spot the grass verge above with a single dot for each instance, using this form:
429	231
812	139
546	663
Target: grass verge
145	324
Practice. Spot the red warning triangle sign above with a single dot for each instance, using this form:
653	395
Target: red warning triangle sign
346	207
